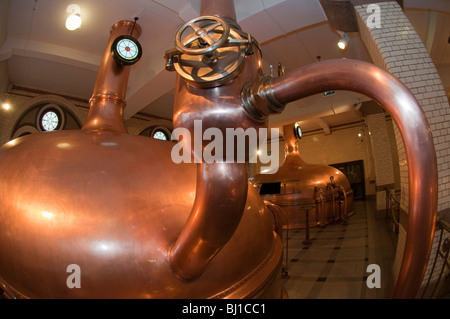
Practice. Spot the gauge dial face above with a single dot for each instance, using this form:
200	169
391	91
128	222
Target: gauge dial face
126	50
50	121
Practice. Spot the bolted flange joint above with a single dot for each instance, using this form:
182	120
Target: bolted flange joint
258	99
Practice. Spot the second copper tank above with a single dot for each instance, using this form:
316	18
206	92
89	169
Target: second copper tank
323	192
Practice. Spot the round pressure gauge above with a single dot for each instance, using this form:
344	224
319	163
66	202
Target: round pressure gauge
126	50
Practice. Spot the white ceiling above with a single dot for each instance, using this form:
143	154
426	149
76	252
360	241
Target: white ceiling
41	54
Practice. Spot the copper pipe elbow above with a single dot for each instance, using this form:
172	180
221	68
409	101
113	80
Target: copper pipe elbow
220	200
398	101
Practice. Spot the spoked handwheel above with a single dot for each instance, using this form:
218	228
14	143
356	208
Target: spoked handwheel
204	38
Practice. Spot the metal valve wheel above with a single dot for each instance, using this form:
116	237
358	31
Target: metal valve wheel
206	29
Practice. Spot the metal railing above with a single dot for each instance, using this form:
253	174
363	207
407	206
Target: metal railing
392	209
441	264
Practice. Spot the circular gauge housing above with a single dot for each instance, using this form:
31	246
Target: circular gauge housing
126	50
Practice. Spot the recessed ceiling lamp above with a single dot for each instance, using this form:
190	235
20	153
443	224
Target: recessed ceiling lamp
343	42
6	106
73	21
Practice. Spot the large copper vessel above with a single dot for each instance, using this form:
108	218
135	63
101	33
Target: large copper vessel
320	192
114	204
117	211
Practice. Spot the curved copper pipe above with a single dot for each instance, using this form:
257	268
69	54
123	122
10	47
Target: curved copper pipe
398	101
212	217
108	98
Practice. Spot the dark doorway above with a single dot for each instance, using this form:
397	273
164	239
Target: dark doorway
354	171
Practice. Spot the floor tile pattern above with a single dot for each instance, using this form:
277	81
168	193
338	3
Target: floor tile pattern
334	265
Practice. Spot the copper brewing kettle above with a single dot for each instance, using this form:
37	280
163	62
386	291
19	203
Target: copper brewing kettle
111	206
115	209
321	192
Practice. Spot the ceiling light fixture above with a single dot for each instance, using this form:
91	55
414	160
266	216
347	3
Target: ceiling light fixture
6	106
343	42
73	21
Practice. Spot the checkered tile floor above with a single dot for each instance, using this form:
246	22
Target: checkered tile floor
335	264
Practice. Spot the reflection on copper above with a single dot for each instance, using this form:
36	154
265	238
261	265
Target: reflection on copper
171	230
320	191
219	198
398	101
137	224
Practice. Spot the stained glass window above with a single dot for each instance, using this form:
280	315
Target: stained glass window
160	135
50	121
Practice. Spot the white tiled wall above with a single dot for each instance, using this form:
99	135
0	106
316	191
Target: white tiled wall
384	168
397	48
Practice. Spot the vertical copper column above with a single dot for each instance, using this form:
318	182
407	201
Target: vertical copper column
221	187
224	8
399	102
108	98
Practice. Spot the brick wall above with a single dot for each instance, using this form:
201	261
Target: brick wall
22	101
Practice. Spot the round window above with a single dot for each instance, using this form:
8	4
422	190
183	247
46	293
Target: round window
50	121
160	135
50	118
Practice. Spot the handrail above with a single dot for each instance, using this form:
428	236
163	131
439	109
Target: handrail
389	207
442	223
442	251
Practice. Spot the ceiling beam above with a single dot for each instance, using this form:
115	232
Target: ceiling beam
49	52
323	124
